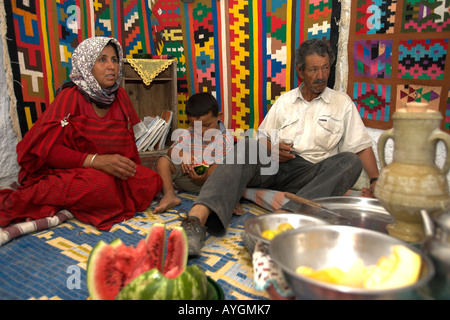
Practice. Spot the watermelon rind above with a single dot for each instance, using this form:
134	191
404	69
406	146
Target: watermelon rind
201	169
191	284
116	242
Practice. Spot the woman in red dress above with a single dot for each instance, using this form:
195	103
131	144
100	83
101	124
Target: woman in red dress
81	154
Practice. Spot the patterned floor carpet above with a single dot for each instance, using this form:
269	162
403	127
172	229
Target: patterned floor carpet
51	264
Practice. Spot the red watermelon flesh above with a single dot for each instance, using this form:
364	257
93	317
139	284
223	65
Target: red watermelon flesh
149	252
112	266
124	261
156	247
101	258
177	254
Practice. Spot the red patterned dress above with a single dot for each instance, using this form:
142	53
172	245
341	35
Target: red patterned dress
92	196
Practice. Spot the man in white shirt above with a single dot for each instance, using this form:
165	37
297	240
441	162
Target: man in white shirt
319	128
331	146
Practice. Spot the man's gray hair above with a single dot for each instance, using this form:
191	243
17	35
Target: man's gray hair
311	47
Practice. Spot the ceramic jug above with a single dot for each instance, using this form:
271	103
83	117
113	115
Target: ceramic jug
437	247
413	181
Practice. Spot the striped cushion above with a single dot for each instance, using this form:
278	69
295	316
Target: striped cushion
268	199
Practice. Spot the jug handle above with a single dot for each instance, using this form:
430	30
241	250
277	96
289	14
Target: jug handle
388	134
437	135
427	224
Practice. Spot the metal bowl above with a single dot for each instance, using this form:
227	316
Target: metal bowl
254	226
367	213
339	246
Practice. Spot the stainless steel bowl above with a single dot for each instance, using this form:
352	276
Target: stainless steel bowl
339	246
367	213
254	226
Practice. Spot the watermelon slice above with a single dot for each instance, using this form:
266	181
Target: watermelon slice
177	253
100	259
112	266
201	168
191	284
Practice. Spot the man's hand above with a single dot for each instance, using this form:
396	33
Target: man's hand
369	192
284	152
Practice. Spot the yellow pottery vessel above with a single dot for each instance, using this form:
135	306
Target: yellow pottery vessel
413	181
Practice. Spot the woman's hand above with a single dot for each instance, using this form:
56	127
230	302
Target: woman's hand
113	164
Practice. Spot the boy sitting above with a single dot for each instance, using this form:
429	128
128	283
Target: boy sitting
202	111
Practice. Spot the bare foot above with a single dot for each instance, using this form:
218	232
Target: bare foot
238	210
167	202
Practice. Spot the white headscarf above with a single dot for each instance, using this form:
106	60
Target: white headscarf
83	60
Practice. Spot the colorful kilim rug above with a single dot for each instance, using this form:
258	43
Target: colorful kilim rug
241	51
398	53
51	264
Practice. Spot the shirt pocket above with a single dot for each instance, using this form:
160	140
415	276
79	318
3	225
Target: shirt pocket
288	127
289	123
328	132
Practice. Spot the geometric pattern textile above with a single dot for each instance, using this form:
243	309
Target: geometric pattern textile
373	58
51	264
398	53
417	93
375	17
447	112
241	51
422	59
372	100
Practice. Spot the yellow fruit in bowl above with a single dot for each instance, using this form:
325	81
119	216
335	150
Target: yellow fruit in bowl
356	275
305	271
269	234
400	269
282	227
285	226
330	275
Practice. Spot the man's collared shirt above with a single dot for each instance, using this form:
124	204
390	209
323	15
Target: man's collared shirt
323	127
